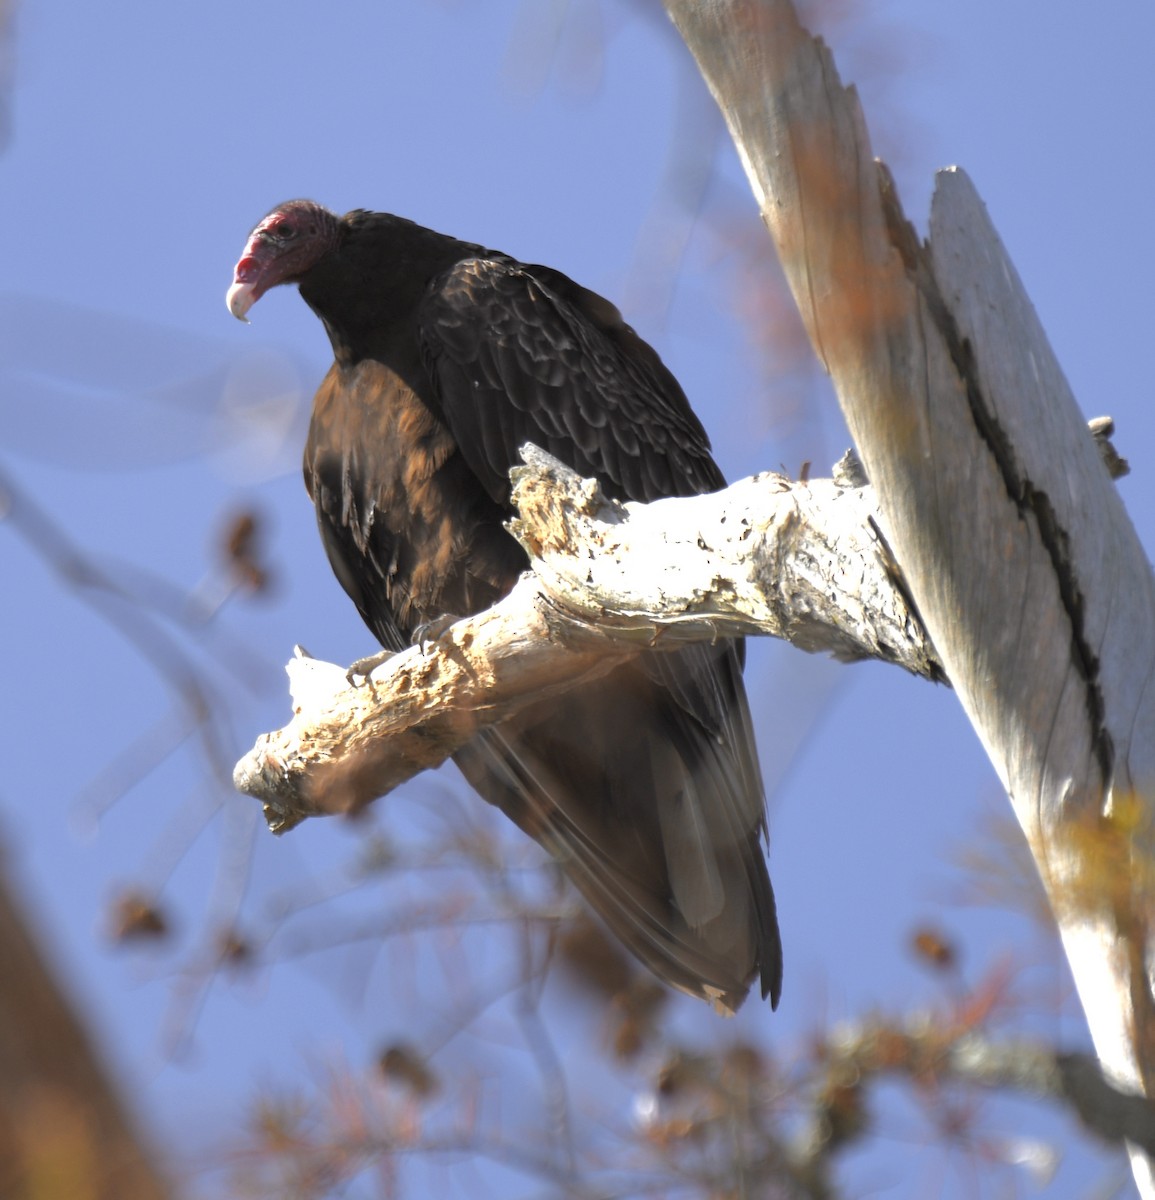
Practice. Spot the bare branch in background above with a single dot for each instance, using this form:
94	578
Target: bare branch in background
7	68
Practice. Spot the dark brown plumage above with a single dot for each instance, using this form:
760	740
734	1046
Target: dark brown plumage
645	786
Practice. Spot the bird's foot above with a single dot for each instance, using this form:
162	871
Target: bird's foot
431	631
364	667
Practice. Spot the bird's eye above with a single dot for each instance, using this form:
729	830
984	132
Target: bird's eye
280	231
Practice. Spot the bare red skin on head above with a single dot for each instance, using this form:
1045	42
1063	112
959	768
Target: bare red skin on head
283	246
246	268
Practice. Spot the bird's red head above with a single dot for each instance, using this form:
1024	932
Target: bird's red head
283	246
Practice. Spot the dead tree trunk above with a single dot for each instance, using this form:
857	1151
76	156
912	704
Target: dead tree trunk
1017	551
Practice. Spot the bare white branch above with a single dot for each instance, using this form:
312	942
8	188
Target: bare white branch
801	561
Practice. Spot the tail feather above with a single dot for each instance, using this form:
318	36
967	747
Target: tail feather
649	810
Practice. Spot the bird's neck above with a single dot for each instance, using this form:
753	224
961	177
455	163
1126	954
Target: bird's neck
368	291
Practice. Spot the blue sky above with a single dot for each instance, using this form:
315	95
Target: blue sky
146	141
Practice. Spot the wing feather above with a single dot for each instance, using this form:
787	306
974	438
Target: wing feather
520	353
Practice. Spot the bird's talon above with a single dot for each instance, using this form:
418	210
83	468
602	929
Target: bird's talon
364	667
429	632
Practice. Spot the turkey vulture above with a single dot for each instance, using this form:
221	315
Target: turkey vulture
645	785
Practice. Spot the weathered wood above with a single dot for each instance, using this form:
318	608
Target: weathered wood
1017	550
351	742
767	556
802	561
